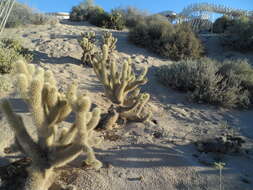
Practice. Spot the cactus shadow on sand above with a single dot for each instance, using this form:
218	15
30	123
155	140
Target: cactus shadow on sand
44	58
140	156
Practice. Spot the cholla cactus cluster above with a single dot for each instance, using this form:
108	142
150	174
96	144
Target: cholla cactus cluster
121	87
87	43
55	146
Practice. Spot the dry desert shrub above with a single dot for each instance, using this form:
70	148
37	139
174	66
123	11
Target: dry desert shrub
228	84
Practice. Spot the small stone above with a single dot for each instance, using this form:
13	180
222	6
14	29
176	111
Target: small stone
108	165
157	134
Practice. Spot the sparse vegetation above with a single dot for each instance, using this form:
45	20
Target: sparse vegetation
240	35
23	15
222	24
49	129
210	81
10	51
172	41
132	16
97	16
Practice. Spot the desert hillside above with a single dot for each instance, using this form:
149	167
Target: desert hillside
157	154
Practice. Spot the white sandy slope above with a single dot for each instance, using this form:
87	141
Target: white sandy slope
137	160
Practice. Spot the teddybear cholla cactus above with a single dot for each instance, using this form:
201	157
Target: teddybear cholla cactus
55	146
87	43
121	87
110	41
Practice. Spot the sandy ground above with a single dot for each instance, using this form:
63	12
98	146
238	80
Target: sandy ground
135	157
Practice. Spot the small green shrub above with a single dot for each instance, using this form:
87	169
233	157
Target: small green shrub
116	21
82	11
97	16
99	19
209	81
182	44
132	16
242	70
10	51
16	45
222	24
85	13
240	35
77	13
7	58
151	31
172	41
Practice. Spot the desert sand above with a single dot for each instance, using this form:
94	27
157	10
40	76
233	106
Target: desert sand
159	154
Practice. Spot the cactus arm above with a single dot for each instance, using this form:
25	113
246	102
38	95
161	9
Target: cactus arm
93	122
134	85
64	156
35	100
17	125
68	136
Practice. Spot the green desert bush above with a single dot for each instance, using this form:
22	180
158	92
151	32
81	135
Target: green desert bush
22	15
182	44
97	16
242	70
222	24
240	35
7	58
83	12
209	81
10	51
172	41
112	20
78	14
132	16
99	19
116	21
150	31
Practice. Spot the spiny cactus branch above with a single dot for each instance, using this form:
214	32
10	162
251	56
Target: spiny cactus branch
49	107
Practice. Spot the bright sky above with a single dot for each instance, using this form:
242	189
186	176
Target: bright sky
152	6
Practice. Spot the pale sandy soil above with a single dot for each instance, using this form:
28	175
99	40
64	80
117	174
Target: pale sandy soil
138	159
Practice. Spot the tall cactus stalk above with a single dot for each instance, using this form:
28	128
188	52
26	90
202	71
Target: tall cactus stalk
121	87
55	146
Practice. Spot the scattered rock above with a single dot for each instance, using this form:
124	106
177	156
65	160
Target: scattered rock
158	134
223	144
